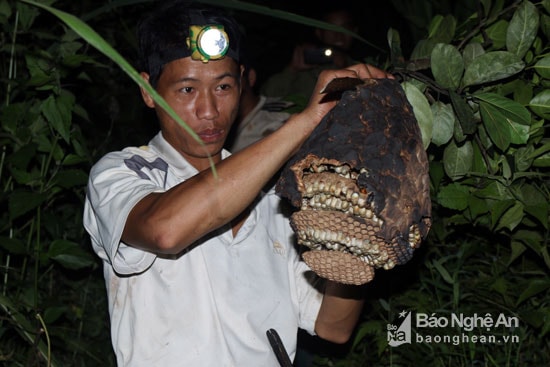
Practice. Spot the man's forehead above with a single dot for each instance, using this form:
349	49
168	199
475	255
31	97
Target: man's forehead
187	68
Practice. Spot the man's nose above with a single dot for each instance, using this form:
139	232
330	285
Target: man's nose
206	107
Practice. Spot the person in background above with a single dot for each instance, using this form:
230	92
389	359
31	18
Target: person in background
297	80
198	263
258	115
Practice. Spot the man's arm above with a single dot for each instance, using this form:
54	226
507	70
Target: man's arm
169	222
340	310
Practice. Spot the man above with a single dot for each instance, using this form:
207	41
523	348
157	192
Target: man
258	115
198	264
297	80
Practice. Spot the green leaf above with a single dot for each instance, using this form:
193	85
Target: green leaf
21	202
540	104
447	65
37	70
70	178
506	121
492	66
540	212
472	51
537	203
11	115
476	207
25	328
479	164
394	43
24	177
498	208
497	33
513	110
545	25
512	217
522	29
94	39
522	158
422	50
522	91
458	133
534	287
385	305
494	191
458	160
72	159
533	195
27	16
434	25
442	29
23	156
58	111
533	317
464	113
5	10
517	250
454	196
437	173
13	246
501	286
444	121
543	67
421	110
443	272
52	314
70	255
542	161
545	148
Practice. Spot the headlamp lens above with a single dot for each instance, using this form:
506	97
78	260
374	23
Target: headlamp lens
213	42
208	42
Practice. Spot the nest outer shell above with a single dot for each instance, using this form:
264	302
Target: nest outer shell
371	127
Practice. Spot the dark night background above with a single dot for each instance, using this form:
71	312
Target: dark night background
273	39
473	262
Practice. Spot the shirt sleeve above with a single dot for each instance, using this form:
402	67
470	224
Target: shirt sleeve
305	285
310	296
117	182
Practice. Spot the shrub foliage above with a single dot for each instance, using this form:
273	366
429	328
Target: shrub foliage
479	84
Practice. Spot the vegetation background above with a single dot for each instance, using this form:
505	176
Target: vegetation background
477	73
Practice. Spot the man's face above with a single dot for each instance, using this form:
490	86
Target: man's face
206	97
336	39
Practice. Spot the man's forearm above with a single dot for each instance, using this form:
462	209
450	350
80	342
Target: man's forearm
341	308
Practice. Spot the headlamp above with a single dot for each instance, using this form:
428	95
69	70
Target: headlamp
209	42
206	41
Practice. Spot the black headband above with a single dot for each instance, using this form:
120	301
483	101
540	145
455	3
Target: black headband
206	41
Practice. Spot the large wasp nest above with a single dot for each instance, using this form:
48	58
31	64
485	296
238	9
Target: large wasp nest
360	184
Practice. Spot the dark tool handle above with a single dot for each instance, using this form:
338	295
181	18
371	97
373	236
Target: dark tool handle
278	348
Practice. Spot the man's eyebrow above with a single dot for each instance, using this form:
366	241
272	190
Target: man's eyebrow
227	75
186	79
219	77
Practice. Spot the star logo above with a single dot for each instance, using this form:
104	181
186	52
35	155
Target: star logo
400	333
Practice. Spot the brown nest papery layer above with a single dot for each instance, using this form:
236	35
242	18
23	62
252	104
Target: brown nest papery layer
360	185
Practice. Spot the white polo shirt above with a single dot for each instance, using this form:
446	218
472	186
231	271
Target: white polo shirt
211	305
267	116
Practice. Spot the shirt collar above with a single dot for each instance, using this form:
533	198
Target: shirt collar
174	158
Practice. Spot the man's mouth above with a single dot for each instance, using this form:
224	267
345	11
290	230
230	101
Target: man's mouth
210	135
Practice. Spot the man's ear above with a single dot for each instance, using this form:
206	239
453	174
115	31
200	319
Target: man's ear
144	94
252	77
242	71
